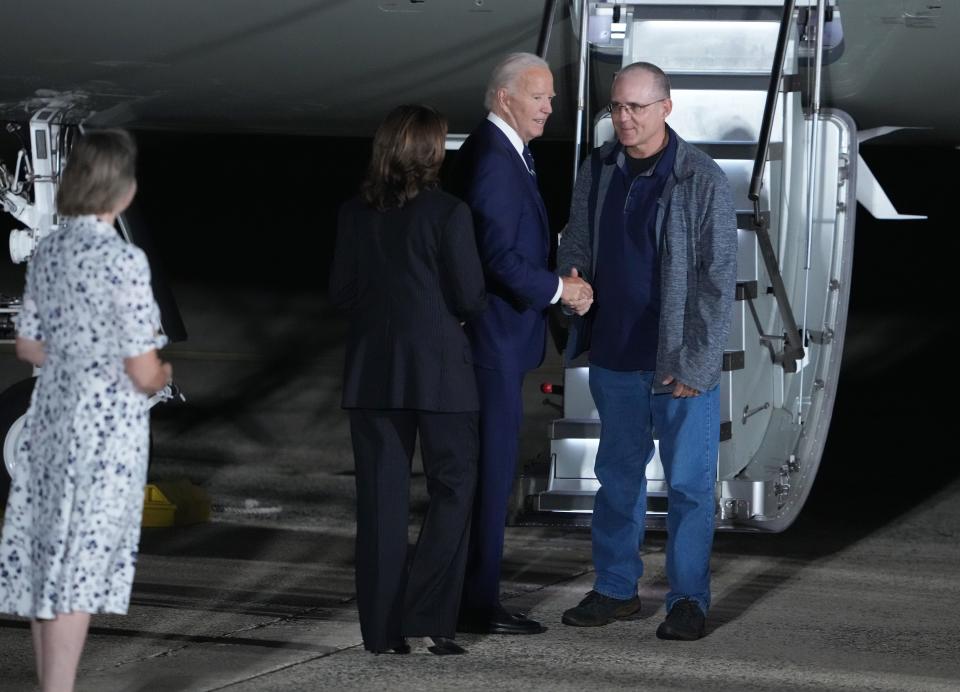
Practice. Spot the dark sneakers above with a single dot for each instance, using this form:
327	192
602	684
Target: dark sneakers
685	621
596	610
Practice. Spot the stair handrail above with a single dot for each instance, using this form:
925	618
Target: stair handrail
793	349
546	27
582	76
773	89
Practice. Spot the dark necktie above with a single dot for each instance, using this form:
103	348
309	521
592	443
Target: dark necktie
528	157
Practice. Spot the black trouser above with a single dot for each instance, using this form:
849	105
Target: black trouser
395	600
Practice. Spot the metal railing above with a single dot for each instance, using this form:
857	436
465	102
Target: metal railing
769	108
793	340
546	27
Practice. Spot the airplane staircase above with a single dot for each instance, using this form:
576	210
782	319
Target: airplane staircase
745	89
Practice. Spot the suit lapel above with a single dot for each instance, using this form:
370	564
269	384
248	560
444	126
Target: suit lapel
518	162
535	191
540	205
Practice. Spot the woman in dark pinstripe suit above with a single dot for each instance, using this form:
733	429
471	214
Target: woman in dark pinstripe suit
407	270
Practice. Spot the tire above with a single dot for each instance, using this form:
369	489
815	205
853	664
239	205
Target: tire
14	402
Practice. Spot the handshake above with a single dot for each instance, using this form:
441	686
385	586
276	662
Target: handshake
577	294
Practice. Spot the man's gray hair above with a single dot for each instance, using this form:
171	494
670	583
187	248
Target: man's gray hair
661	82
505	74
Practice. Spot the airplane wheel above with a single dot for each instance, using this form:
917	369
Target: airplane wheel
14	402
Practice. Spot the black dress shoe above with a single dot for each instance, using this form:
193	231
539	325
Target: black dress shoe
498	621
400	648
445	647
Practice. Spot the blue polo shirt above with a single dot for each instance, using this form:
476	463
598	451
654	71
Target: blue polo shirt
626	286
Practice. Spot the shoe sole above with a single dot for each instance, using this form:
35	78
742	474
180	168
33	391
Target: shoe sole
515	631
619	615
476	629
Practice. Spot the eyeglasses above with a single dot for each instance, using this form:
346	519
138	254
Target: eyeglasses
631	108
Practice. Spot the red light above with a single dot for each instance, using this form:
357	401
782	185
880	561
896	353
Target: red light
546	388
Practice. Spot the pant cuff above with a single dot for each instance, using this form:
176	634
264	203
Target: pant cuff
672	601
613	593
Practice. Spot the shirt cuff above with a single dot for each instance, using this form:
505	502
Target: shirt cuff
556	296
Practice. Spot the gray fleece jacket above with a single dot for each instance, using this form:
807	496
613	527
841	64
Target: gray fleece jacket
697	235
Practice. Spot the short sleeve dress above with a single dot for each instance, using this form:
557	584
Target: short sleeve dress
72	523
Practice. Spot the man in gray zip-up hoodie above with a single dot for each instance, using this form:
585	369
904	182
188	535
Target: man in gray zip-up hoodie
653	229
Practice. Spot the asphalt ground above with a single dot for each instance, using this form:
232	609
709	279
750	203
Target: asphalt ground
860	594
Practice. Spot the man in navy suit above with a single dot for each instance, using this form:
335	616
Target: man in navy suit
498	180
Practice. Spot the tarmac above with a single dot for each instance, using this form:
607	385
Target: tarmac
860	594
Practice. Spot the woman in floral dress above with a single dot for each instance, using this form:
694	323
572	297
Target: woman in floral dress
91	326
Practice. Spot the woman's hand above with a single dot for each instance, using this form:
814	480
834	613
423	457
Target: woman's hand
168	374
31	351
147	372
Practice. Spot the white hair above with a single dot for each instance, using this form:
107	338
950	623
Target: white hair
505	74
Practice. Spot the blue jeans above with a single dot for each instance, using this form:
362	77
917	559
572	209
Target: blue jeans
689	434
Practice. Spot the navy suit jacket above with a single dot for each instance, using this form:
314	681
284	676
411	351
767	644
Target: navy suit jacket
513	238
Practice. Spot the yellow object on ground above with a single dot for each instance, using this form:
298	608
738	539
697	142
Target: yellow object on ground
175	503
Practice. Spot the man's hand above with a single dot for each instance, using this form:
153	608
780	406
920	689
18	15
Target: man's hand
577	294
680	390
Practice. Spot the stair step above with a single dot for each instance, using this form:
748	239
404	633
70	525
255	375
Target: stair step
717	115
704	46
719	81
728	150
745	11
747	290
589	429
726	430
733	360
715	126
564	501
739	172
745	219
576	429
579	501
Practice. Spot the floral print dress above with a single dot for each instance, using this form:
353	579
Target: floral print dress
72	521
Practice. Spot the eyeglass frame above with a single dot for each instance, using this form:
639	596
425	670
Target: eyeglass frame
631	108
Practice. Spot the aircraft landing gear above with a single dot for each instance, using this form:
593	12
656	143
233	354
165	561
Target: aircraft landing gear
14	402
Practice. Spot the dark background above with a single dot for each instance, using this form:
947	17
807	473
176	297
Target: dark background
269	203
231	210
263	210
